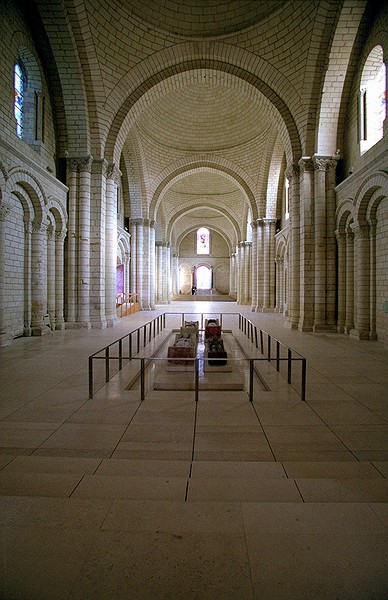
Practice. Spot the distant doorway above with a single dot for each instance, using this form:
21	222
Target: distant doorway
204	278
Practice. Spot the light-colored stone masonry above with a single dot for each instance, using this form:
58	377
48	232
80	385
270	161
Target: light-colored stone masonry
162	117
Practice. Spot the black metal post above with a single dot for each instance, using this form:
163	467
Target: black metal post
142	379
289	366
107	364
251	380
90	377
120	354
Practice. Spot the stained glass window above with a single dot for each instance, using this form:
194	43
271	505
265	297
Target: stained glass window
203	246
18	98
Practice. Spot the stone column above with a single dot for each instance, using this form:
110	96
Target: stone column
306	244
134	258
146	254
269	273
362	324
174	273
331	258
254	266
293	308
142	249
127	267
232	276
349	318
27	277
84	242
113	175
5	337
59	271
39	279
279	306
239	258
260	264
72	269
152	266
159	273
341	285
248	272
168	273
51	274
372	285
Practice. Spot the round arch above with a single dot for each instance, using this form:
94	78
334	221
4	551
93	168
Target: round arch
186	167
137	100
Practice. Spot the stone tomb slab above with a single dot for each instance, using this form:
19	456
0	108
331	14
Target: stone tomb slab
222	377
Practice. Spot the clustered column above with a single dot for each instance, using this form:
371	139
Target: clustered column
294	264
4	337
143	261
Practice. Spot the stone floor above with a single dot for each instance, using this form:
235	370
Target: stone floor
220	499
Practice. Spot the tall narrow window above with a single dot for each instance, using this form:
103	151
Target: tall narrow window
372	107
203	245
18	98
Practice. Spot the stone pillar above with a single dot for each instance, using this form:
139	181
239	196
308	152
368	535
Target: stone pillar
159	273
293	308
341	284
248	272
143	262
152	267
362	324
331	258
239	259
260	264
306	245
134	258
51	274
39	279
174	274
349	318
127	267
84	242
254	266
269	271
232	276
372	280
5	337
72	269
112	182
324	243
59	271
279	303
27	277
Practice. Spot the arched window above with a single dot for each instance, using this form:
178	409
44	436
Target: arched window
19	84
372	105
203	241
29	101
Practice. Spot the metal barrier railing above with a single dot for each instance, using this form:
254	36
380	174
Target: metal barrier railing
140	337
265	342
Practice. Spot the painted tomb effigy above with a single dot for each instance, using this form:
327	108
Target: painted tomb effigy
212	328
184	347
191	327
216	354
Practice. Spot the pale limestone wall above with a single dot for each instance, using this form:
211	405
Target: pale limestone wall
382	271
218	260
17	43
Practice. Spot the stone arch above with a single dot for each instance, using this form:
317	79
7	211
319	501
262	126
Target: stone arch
178	214
20	179
375	186
195	164
273	90
211	228
334	101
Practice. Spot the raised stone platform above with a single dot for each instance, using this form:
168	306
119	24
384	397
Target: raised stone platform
211	377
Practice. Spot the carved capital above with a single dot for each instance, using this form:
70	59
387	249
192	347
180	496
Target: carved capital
292	171
306	164
4	210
